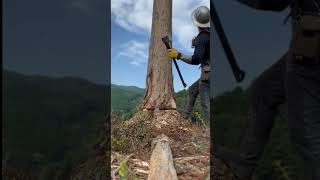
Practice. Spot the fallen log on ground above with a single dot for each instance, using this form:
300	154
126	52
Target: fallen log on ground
161	161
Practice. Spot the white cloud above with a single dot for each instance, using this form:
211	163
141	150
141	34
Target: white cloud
133	51
136	16
132	15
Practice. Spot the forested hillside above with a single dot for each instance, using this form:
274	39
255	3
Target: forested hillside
230	114
124	99
51	124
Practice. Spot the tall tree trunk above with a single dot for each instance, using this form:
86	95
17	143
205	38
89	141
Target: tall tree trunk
159	92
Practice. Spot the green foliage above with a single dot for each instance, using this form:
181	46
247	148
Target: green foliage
123	170
127	137
125	99
119	142
200	119
197	114
280	159
69	112
180	98
279	162
50	124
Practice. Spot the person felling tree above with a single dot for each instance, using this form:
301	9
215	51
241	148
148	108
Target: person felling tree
201	45
158	110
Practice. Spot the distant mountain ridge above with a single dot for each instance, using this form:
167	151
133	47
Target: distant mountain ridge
129	88
124	99
49	123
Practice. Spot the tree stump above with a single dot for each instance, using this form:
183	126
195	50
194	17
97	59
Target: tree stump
161	161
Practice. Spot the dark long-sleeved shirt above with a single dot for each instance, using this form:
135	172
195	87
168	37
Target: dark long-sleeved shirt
201	53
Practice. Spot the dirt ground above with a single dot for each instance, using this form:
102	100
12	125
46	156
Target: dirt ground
131	145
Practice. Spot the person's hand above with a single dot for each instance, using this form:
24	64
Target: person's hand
173	53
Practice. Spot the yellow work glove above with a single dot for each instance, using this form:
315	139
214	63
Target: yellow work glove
173	53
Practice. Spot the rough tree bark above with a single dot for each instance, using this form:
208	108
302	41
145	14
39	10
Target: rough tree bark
159	91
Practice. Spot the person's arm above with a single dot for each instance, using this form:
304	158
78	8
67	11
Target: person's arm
199	52
268	5
195	59
175	54
185	58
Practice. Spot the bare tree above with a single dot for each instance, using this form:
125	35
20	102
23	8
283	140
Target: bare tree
159	91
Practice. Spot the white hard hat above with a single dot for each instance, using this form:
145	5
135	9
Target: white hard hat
201	17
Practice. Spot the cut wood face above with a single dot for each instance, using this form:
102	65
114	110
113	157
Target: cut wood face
159	91
161	161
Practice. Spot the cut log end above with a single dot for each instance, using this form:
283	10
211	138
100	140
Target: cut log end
161	161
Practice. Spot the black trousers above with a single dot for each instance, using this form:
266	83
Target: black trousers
193	93
203	90
298	84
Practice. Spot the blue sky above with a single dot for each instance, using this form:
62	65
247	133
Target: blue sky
130	40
